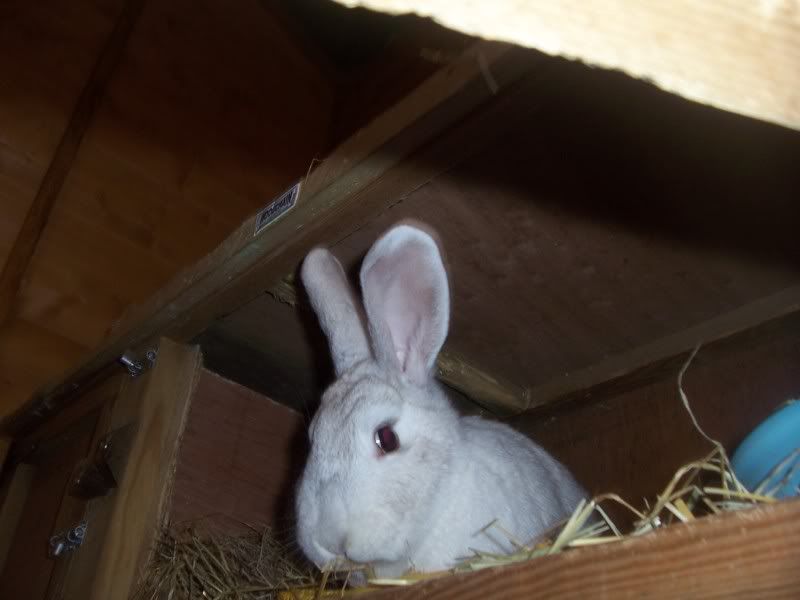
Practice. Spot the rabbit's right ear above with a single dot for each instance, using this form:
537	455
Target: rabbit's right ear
407	300
337	310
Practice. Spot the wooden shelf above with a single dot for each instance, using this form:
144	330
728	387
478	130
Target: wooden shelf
748	554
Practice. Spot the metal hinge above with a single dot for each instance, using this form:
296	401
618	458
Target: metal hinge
136	365
68	540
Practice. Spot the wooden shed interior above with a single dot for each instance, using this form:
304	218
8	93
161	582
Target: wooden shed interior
147	131
596	228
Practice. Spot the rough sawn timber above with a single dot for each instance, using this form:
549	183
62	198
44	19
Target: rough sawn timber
363	177
732	54
747	554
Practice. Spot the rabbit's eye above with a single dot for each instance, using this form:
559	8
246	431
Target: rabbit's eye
386	439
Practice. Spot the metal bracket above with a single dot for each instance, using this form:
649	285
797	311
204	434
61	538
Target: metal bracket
68	540
135	365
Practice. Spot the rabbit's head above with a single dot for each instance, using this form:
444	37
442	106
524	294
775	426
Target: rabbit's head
381	440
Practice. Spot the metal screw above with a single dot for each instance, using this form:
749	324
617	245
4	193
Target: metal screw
76	534
134	367
67	541
57	547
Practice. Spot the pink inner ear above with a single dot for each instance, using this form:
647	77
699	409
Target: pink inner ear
408	359
411	312
407	300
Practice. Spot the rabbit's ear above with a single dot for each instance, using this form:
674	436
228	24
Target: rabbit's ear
338	311
407	300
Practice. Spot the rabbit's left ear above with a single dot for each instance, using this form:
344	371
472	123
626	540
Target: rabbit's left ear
337	310
407	300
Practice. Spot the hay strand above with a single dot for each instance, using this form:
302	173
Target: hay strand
199	564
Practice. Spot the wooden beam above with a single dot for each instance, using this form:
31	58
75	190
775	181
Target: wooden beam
366	175
627	369
643	363
160	402
491	392
38	214
751	553
649	356
736	55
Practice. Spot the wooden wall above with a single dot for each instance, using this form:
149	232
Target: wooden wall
242	452
209	114
632	442
240	456
412	54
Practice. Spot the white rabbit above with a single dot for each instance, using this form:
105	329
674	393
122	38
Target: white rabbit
395	477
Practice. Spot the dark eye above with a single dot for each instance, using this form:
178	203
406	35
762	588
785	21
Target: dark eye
386	439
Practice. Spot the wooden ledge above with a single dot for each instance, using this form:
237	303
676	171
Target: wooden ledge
748	554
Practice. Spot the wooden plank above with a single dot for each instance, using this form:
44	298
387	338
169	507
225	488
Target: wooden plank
773	307
74	510
120	411
747	554
363	177
28	569
631	441
733	54
162	150
240	453
490	391
53	180
29	355
163	398
93	398
634	367
13	504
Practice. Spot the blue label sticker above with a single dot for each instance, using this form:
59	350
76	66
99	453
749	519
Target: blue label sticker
277	208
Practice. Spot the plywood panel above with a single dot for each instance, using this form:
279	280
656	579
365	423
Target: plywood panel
197	131
583	229
18	179
39	84
191	113
239	457
37	217
29	354
38	88
736	55
631	443
577	231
